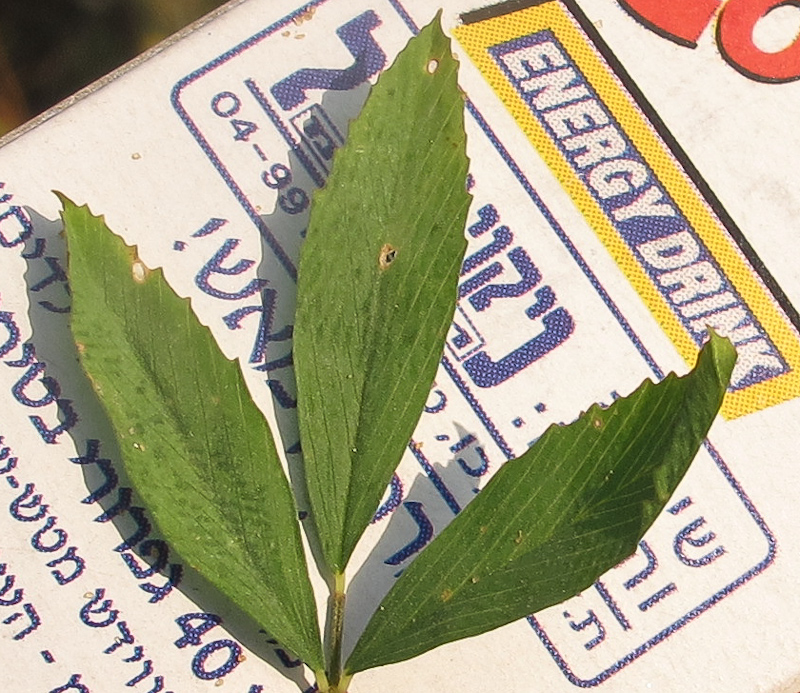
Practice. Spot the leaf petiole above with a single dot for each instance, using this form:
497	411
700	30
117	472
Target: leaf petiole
335	632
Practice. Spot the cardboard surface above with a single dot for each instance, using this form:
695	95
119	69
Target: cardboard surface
629	190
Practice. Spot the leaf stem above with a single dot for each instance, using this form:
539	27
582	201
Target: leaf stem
322	681
335	625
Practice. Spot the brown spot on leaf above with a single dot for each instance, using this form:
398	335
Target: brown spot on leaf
139	271
519	537
447	595
387	256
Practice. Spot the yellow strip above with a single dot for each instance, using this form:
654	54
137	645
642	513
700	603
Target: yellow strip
477	38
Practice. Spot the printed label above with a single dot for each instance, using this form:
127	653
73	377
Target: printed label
650	215
684	21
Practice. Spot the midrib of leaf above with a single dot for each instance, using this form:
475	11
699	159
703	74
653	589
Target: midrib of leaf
417	302
166	393
366	418
148	374
142	371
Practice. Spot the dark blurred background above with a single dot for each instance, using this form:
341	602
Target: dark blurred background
51	48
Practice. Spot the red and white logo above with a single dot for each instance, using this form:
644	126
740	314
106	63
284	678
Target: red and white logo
683	21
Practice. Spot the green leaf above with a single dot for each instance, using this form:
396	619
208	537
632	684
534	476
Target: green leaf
553	520
377	287
196	447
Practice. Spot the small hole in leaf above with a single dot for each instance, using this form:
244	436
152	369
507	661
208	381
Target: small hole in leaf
432	66
387	256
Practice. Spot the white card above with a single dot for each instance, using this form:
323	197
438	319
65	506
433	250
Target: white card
632	167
